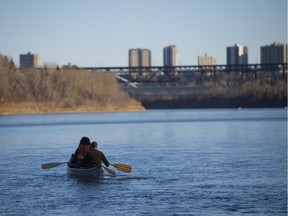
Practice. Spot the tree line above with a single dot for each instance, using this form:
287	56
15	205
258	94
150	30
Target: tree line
261	93
72	86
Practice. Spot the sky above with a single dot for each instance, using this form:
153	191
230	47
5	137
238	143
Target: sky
95	33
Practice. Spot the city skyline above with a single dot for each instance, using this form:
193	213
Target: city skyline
98	33
141	57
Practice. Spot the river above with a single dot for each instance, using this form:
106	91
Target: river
184	162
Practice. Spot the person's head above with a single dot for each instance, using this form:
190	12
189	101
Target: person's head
85	141
94	145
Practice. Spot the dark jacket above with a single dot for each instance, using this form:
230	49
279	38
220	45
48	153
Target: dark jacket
94	158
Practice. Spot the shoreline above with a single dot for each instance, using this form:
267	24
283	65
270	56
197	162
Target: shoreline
22	108
6	110
168	104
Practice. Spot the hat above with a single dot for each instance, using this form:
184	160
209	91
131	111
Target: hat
85	141
94	144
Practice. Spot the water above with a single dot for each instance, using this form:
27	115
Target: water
185	162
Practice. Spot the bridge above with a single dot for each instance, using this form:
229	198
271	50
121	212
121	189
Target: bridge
184	75
159	83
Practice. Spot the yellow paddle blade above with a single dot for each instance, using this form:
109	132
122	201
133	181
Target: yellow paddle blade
122	167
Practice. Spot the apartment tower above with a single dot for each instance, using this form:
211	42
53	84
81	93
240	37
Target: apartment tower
274	53
237	55
139	58
207	60
170	56
29	60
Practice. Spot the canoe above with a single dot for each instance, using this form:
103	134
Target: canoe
94	172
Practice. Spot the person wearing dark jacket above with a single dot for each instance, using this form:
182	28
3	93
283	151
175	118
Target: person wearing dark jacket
77	159
94	157
83	147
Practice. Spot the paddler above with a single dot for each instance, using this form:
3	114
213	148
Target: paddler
94	157
77	159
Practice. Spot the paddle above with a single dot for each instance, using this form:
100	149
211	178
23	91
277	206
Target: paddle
122	167
51	165
109	170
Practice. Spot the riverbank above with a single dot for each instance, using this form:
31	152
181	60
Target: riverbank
218	103
255	94
10	108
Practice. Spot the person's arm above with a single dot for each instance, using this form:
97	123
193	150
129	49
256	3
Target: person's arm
105	161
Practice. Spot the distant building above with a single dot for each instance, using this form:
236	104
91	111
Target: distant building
274	53
139	58
170	55
237	55
207	60
29	60
69	66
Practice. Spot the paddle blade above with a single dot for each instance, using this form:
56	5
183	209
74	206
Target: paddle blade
112	172
51	165
122	167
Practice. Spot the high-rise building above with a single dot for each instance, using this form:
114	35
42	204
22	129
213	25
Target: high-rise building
207	60
133	58
29	60
139	58
274	53
237	55
170	56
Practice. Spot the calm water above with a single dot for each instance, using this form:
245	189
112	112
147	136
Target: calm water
185	162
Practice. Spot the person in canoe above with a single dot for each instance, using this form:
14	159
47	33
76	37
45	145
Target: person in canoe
77	159
94	157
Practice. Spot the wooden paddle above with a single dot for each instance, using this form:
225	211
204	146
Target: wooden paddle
122	167
51	165
112	172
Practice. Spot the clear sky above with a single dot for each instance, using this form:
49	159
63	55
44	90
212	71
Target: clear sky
100	32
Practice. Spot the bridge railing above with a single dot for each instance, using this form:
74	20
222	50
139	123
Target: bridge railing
199	74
